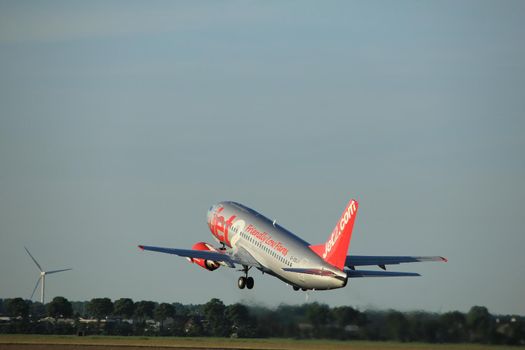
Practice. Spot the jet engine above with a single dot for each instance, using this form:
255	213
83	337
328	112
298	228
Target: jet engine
205	264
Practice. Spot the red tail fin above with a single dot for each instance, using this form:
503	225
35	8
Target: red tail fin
336	247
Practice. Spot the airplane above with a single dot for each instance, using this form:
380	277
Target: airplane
249	239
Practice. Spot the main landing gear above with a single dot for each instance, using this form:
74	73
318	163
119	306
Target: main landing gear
245	281
297	288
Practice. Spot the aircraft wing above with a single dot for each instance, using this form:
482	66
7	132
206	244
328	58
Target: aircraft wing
191	253
206	254
245	258
362	273
382	261
352	273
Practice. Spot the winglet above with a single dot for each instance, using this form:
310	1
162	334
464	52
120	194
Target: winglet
443	259
141	247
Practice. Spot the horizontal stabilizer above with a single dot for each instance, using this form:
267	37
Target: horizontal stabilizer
365	260
363	273
310	271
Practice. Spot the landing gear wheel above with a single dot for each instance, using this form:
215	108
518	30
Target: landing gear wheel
249	282
245	281
295	288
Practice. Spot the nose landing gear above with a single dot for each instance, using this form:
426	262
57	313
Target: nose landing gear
245	281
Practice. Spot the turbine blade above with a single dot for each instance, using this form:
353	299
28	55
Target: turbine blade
36	286
55	271
37	264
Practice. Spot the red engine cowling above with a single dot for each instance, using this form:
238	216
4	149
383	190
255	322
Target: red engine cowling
206	264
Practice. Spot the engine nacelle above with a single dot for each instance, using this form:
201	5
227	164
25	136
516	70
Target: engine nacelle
205	264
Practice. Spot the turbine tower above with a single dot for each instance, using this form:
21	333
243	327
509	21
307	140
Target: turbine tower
41	278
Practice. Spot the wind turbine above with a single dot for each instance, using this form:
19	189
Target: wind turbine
41	278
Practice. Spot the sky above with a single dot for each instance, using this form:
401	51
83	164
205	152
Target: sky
121	122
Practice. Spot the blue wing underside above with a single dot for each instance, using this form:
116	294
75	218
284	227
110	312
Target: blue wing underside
197	254
367	260
382	261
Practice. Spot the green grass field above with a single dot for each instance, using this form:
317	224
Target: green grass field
99	342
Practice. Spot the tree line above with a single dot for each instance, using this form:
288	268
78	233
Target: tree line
102	316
